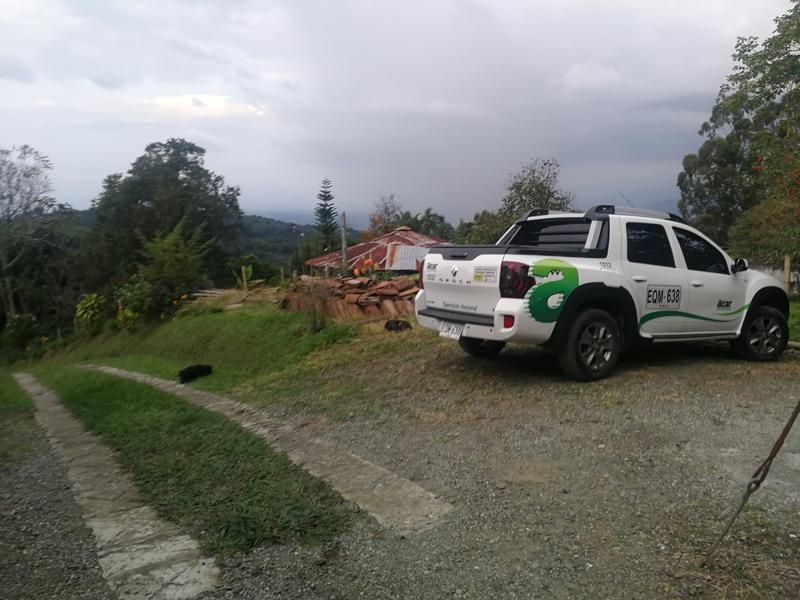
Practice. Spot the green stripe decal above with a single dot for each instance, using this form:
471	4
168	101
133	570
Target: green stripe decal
735	312
677	313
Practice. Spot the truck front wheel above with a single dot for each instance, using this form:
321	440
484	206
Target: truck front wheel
592	347
481	348
764	335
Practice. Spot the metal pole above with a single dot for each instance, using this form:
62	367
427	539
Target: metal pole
344	244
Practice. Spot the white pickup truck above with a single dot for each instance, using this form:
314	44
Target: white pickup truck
589	285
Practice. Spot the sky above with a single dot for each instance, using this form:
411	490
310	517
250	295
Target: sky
436	101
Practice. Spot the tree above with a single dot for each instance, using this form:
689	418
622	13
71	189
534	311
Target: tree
485	228
28	213
769	231
426	222
173	261
751	134
535	186
384	217
168	183
326	214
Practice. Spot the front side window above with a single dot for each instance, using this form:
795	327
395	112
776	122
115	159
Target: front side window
699	254
648	244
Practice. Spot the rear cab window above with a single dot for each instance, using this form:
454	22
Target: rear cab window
648	244
562	236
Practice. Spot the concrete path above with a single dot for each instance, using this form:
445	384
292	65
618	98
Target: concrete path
140	555
395	502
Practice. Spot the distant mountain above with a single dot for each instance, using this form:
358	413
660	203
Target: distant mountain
355	220
269	239
274	240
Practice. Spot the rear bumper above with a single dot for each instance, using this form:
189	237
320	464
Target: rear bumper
487	327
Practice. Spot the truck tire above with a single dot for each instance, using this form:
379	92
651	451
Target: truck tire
592	347
764	336
481	348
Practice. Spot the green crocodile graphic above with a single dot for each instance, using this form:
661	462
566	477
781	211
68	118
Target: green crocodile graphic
540	294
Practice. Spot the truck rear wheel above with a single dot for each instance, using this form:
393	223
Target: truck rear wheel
593	346
764	336
481	348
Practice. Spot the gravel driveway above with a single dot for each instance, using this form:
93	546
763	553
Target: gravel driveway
563	490
560	490
46	550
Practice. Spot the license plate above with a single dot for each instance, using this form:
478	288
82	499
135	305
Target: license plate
451	331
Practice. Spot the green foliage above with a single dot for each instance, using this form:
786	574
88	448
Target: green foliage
20	331
751	135
326	213
485	228
223	484
256	271
166	185
769	231
535	186
27	214
90	313
426	222
173	261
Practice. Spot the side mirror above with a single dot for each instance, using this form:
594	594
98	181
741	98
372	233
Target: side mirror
739	265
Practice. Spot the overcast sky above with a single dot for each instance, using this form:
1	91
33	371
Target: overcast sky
436	100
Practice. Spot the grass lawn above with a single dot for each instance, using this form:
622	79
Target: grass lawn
225	485
794	321
238	344
15	407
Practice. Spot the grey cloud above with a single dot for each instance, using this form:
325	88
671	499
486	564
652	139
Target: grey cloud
13	69
110	81
436	101
701	103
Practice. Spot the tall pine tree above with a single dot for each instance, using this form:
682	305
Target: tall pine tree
326	214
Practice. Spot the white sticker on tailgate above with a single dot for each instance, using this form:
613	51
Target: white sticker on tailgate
484	274
663	296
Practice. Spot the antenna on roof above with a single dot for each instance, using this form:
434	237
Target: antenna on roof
624	197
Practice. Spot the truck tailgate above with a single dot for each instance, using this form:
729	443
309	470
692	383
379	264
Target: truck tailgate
463	279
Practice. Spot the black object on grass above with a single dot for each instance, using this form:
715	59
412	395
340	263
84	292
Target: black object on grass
193	372
397	325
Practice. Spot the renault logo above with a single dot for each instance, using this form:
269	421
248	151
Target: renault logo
454	270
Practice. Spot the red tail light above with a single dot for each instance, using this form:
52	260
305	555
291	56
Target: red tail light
421	273
514	279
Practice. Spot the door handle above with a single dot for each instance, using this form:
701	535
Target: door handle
696	283
639	278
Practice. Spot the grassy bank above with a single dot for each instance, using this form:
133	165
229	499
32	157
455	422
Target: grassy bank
794	321
15	407
238	344
225	485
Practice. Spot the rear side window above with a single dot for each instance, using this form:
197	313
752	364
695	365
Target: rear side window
648	244
699	254
559	236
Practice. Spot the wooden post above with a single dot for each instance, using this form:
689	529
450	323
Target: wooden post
787	272
283	276
244	279
344	244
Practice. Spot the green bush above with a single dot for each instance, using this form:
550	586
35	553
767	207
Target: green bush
139	302
90	313
20	331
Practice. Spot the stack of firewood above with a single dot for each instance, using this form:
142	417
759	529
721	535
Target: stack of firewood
358	296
